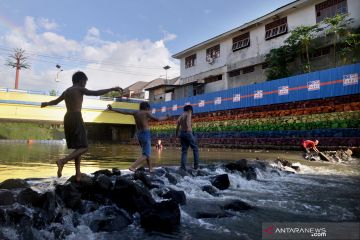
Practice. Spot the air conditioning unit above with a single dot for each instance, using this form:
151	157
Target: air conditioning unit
211	60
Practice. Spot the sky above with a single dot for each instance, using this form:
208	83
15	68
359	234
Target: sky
115	42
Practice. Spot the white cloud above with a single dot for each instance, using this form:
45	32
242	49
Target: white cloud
106	63
47	24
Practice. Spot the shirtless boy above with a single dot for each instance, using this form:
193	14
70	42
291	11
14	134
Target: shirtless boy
141	117
74	127
187	137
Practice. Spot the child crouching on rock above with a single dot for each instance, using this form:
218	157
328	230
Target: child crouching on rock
142	132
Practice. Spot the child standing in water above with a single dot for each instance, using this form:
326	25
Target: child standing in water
74	127
142	117
187	137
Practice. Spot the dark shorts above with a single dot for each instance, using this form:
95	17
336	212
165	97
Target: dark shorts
75	132
144	139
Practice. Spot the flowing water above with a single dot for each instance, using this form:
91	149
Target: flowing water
320	192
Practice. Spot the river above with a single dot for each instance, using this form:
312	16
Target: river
321	192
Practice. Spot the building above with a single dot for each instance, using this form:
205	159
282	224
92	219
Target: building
162	89
136	90
237	57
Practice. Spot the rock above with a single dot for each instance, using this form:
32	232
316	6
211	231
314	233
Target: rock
18	215
13	183
106	172
221	181
178	196
240	165
2	217
202	208
131	196
29	197
86	183
140	175
116	172
69	195
237	205
296	166
283	162
251	174
163	216
103	183
49	204
182	172
6	197
111	224
171	178
210	189
201	173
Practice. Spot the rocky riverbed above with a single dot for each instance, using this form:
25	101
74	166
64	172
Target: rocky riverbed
214	201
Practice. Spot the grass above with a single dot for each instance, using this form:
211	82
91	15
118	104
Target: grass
35	131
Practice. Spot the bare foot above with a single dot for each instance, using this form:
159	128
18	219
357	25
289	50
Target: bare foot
78	177
132	169
60	166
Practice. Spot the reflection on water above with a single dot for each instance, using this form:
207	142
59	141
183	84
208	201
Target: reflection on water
20	160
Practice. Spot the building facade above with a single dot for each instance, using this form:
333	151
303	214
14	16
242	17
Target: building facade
237	57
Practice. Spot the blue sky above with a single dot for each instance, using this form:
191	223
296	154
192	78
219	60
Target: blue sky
135	37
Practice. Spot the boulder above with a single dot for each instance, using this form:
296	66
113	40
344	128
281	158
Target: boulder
210	189
163	216
140	175
130	196
116	171
106	172
103	183
29	197
2	217
6	197
240	165
13	183
178	196
221	181
237	205
171	178
69	195
251	174
18	215
202	208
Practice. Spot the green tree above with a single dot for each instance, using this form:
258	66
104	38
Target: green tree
17	60
278	60
299	41
337	26
350	52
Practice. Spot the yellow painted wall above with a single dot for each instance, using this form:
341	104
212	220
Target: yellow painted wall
56	113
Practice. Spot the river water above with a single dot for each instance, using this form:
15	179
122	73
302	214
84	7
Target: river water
320	192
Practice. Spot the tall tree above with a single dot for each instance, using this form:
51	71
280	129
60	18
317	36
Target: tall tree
350	51
300	40
336	26
278	59
17	60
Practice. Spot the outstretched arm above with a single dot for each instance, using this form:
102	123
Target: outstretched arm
53	102
100	92
109	107
152	117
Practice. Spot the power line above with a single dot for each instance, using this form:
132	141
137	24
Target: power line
29	52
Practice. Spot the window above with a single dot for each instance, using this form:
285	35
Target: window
248	69
276	28
234	73
330	8
212	53
190	61
241	41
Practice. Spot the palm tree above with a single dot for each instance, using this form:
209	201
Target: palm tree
336	25
18	61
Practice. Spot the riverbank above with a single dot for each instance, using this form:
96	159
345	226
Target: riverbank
116	204
30	130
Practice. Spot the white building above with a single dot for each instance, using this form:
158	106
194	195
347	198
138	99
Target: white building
236	57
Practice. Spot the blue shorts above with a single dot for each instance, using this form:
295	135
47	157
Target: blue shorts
145	142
